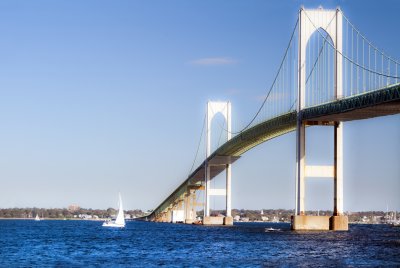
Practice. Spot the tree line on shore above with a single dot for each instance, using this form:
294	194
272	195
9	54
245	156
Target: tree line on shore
61	213
282	215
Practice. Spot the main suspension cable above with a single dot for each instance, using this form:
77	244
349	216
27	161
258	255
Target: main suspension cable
350	60
198	146
270	89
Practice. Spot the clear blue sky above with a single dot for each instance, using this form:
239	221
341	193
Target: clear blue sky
98	97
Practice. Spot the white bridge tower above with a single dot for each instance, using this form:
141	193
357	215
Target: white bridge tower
331	22
213	108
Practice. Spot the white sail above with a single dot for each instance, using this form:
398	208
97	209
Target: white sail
120	217
120	220
37	217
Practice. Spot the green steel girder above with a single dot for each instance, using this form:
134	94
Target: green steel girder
260	133
286	123
238	145
369	99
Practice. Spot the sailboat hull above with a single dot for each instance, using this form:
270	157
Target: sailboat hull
113	224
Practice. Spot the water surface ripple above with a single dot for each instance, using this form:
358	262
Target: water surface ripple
86	243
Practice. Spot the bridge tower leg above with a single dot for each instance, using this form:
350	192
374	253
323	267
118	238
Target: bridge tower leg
309	22
214	108
338	221
228	220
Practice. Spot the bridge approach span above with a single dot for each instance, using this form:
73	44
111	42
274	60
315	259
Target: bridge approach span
382	102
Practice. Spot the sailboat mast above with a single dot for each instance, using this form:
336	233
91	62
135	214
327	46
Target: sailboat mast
120	202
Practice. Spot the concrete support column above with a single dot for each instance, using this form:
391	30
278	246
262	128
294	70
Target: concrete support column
300	168
186	200
228	191
194	205
164	216
338	176
189	208
208	187
179	206
169	215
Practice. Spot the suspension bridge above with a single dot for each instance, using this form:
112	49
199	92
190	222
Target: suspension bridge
330	73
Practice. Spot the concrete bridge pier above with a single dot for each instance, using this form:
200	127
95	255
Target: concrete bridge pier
164	217
227	219
169	215
189	200
338	221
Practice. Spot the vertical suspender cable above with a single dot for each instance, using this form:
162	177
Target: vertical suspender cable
375	75
352	57
357	69
363	71
381	85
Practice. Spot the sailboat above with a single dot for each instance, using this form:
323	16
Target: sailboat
120	220
37	217
395	222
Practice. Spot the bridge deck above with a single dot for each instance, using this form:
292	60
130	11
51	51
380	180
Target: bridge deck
381	102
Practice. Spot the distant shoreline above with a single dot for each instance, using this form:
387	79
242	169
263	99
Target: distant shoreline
78	219
53	219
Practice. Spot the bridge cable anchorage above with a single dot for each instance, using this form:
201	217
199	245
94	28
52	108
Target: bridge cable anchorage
198	145
275	81
354	62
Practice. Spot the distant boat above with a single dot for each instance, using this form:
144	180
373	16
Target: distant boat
37	217
392	219
395	224
272	230
120	220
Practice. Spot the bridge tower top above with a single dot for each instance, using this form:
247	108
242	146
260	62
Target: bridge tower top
213	108
312	20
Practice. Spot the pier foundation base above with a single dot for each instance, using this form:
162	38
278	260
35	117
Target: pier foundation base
228	220
189	221
320	223
213	220
310	223
339	223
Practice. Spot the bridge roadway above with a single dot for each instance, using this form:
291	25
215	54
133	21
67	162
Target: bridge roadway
385	101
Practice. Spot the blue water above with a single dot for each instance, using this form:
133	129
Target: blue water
86	243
